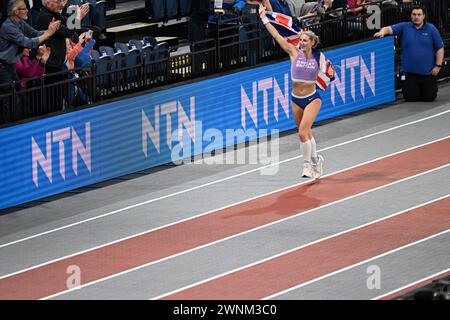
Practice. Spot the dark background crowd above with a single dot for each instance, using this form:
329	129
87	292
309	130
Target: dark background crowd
63	48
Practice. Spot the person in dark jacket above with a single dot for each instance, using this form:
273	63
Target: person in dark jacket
95	18
57	95
51	10
198	22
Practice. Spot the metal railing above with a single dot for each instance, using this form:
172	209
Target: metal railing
236	44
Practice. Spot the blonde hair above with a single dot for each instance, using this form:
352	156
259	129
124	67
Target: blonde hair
312	36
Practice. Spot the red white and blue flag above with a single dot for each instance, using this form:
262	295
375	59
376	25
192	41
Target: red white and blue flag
285	27
291	32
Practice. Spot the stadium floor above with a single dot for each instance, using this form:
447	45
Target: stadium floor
376	225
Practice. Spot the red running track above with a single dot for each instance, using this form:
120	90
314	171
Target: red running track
127	254
325	257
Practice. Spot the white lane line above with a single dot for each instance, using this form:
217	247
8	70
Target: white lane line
358	264
213	182
255	229
240	202
248	231
295	249
437	274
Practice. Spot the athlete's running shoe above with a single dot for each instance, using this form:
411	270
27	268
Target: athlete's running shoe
318	167
307	170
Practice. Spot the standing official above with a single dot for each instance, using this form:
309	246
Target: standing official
422	57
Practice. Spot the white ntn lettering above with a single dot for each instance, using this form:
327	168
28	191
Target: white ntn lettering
347	71
56	142
165	114
271	90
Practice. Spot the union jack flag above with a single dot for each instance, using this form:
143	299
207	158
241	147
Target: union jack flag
285	27
291	32
326	70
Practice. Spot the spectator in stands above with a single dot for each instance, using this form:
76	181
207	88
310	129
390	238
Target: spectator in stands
81	12
95	18
281	6
198	20
16	34
34	11
422	56
4	12
83	18
230	9
197	25
336	5
28	3
299	8
51	11
224	22
78	57
356	6
313	9
73	50
28	67
287	7
56	70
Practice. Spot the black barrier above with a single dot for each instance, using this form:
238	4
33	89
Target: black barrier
438	289
233	44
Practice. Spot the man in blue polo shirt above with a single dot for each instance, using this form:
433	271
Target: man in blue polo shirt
422	57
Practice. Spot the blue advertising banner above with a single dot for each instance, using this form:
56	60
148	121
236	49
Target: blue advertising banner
72	150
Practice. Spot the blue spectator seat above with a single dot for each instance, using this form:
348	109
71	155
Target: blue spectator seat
185	7
158	9
135	44
172	8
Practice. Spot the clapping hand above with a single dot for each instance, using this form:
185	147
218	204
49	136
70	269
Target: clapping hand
43	53
53	26
82	11
40	51
46	55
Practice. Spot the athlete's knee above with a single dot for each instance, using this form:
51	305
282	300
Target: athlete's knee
304	135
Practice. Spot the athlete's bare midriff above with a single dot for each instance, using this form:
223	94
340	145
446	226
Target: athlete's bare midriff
301	89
